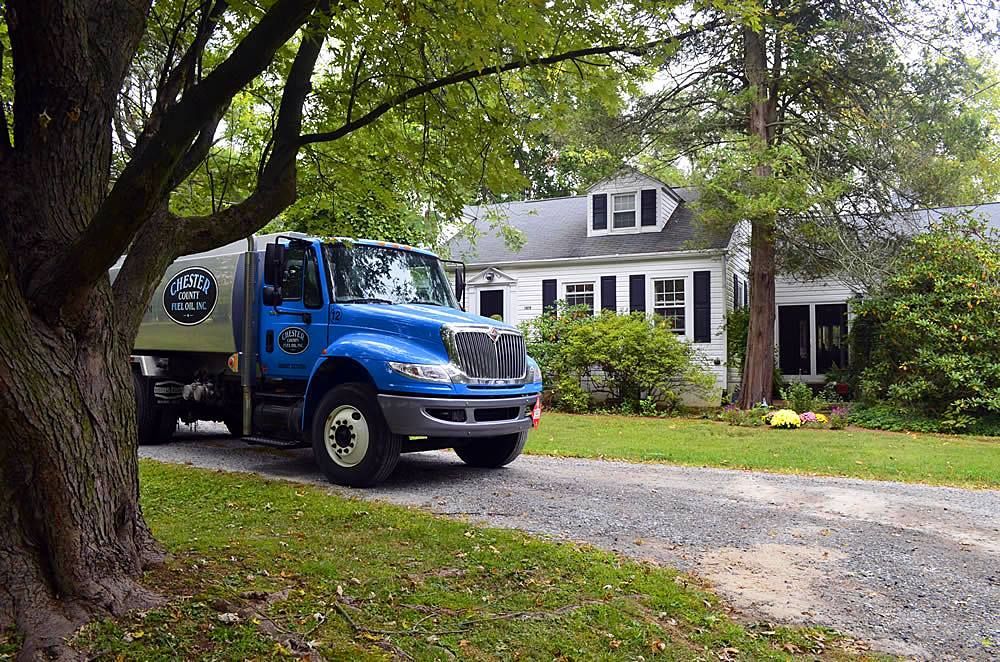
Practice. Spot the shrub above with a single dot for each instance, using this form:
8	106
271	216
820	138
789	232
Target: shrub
799	397
838	418
785	419
747	418
931	341
628	358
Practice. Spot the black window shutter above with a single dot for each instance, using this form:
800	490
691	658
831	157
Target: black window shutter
703	306
608	293
601	211
649	206
549	296
637	293
736	292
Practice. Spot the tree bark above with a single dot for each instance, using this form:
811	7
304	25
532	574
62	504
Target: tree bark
758	371
73	541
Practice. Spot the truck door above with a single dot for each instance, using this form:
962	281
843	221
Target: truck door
294	333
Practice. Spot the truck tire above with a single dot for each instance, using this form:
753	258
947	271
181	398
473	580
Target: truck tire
492	452
351	440
154	425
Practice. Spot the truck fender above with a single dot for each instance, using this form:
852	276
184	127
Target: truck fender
356	357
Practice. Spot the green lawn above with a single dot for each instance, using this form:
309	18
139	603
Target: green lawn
269	570
938	459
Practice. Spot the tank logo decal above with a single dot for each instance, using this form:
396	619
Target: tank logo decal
190	296
293	340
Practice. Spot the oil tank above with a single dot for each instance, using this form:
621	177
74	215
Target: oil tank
198	305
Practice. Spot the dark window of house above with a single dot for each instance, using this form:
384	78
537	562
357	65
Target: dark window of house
831	337
793	340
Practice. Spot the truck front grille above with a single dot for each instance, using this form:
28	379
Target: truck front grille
482	357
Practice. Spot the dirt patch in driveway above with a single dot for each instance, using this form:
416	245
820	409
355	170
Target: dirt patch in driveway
778	581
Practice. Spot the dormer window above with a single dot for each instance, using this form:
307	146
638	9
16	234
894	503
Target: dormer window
623	206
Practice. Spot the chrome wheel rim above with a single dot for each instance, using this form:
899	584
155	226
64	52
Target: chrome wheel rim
346	436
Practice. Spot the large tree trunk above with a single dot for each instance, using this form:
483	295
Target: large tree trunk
758	369
72	538
758	366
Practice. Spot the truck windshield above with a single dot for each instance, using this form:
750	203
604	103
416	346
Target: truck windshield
377	274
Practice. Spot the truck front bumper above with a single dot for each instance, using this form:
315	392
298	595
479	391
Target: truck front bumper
457	417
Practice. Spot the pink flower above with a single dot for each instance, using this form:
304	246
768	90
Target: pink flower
807	417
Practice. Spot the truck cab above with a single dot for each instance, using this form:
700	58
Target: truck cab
359	349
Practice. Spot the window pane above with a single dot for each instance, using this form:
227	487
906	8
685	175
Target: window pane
313	294
580	294
291	277
831	337
624	202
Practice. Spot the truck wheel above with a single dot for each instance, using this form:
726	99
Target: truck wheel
155	425
351	440
492	452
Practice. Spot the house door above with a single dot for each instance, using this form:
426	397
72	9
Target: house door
491	303
794	355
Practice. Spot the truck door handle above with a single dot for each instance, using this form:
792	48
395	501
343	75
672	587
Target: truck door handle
307	318
269	341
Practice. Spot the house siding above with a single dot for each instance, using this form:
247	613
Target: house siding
737	264
526	293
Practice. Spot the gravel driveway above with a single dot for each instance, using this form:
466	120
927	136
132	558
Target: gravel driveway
914	570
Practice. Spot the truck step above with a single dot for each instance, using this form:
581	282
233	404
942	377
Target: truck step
274	443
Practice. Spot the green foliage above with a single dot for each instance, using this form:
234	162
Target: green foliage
935	339
839	418
903	419
799	396
737	326
633	361
744	418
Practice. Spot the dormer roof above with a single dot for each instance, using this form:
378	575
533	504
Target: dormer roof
556	228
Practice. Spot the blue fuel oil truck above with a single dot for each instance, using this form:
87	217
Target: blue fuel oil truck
358	349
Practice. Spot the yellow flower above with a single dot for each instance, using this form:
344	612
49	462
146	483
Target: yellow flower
785	418
821	418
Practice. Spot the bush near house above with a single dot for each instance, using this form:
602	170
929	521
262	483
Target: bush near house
928	341
632	361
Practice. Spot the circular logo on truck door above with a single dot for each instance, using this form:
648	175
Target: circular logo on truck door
190	296
293	340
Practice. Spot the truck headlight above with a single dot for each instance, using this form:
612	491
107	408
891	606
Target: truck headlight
425	372
534	372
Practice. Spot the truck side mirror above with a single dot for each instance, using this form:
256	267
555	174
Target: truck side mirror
271	296
274	262
460	285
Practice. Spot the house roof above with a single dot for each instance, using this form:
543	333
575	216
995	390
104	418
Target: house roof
556	228
921	219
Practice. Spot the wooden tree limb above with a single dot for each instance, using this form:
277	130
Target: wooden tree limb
140	189
275	191
465	75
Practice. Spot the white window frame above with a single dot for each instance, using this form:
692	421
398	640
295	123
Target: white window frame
685	304
614	212
579	283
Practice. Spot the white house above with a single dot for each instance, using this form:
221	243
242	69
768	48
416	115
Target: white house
632	243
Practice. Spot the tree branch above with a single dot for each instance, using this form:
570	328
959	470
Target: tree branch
471	74
141	188
275	191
